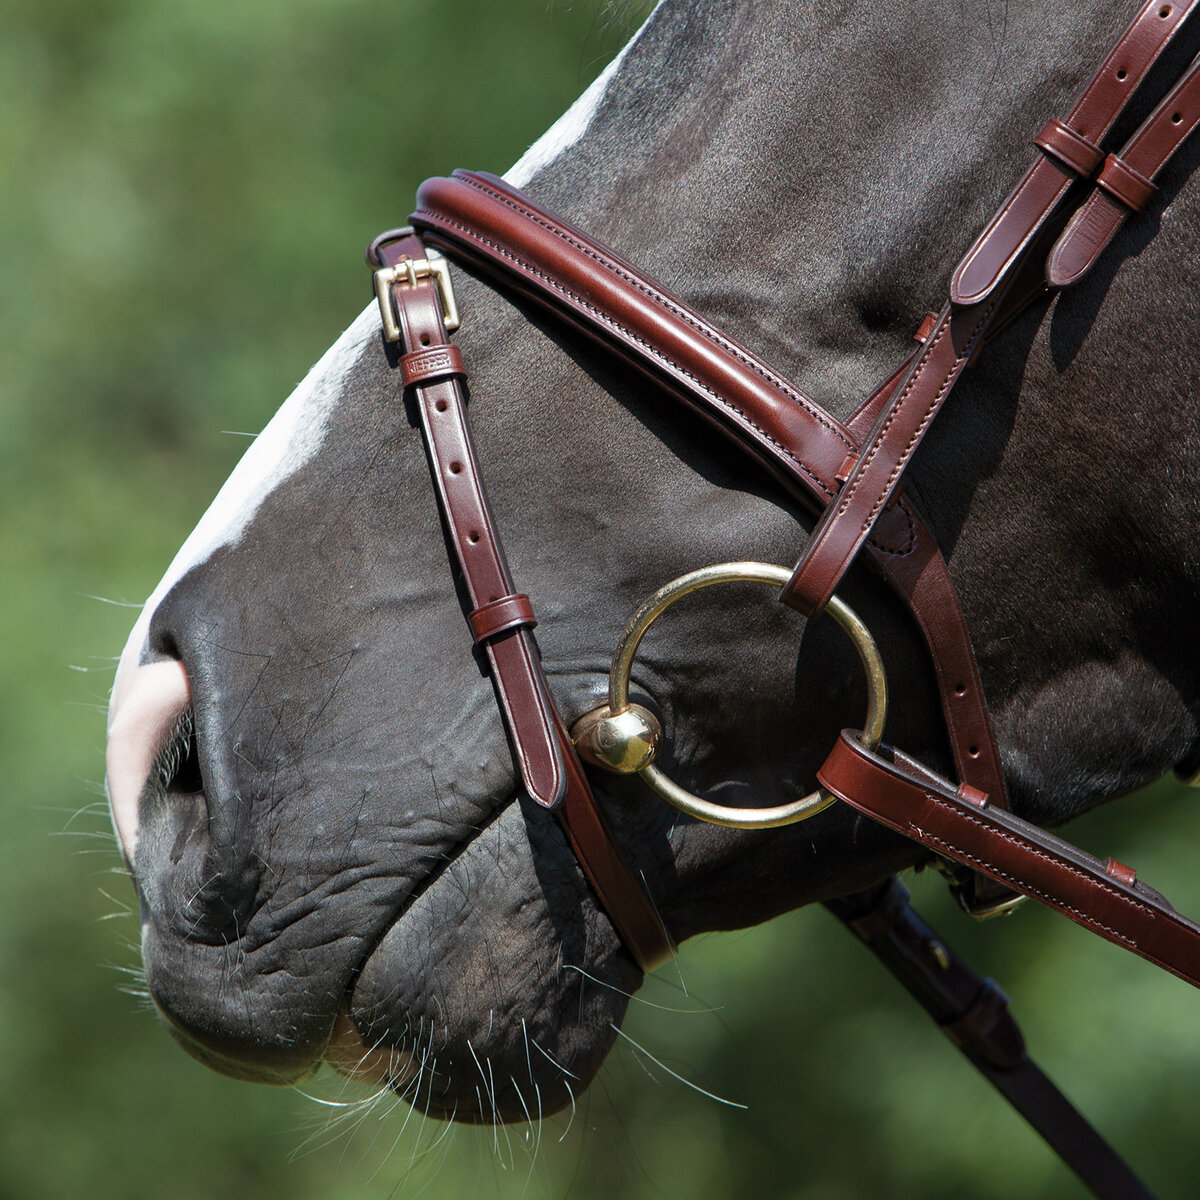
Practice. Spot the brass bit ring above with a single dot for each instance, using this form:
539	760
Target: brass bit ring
596	733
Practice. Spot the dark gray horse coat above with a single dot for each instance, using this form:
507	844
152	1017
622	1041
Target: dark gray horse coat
331	824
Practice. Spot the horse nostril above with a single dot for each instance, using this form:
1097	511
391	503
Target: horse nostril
145	716
177	765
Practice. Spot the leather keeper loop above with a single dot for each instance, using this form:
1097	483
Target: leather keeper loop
1119	871
1061	142
430	363
501	616
987	1028
1119	179
374	251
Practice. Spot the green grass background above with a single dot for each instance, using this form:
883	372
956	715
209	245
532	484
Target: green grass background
185	190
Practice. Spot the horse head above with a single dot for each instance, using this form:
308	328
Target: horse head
310	780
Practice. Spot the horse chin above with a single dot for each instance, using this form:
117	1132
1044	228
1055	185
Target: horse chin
483	1003
232	1059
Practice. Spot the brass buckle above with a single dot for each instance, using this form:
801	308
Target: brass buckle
410	271
998	908
987	910
964	884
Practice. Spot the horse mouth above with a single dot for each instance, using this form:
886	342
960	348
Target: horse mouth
412	975
346	1053
175	780
379	1065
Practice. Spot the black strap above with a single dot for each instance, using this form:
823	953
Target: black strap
973	1013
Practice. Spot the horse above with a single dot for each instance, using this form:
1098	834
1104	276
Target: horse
333	852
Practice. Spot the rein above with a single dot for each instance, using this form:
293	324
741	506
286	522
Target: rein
1049	232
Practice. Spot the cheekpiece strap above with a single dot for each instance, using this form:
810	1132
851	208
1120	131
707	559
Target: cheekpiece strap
418	310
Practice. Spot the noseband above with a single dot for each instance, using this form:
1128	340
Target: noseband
1047	235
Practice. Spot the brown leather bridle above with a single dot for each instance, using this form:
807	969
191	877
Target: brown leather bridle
1047	235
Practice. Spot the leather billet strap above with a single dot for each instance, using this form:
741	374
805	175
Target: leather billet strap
1125	183
849	520
1070	149
501	617
441	405
959	823
524	246
978	293
973	1014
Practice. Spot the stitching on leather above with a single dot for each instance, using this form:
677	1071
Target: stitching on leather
653	351
658	298
1016	840
910	541
1053	901
877	445
936	400
817	481
906	453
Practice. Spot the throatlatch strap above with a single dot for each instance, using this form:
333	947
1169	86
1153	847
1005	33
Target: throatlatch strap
501	618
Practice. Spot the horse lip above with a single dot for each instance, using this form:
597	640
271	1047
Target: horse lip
233	1066
146	703
350	1056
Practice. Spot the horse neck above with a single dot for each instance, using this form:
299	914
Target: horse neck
808	181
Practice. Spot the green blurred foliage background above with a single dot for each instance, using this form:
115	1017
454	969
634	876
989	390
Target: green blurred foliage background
185	190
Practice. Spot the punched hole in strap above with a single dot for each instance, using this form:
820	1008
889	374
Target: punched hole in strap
501	616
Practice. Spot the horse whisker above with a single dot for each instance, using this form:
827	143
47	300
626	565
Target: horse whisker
612	987
675	1074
